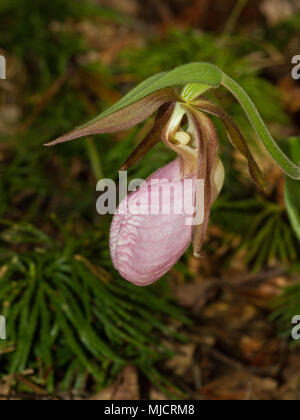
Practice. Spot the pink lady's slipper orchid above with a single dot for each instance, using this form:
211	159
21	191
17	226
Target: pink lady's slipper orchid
145	246
150	232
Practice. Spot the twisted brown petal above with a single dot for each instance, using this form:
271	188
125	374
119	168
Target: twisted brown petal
153	137
207	145
236	137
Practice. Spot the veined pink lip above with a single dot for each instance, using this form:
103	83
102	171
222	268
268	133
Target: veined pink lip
144	247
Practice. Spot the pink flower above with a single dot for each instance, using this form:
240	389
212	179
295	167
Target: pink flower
145	244
144	247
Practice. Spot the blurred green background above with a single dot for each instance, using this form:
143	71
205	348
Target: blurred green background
73	325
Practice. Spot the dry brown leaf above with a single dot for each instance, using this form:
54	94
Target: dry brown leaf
290	91
156	395
126	387
291	375
183	360
240	386
129	7
194	295
278	10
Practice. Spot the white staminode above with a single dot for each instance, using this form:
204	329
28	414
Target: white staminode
182	137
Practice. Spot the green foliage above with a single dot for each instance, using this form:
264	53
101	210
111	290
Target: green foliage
285	308
292	189
43	42
287	305
266	236
281	35
67	317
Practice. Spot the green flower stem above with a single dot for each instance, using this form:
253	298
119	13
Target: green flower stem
292	170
